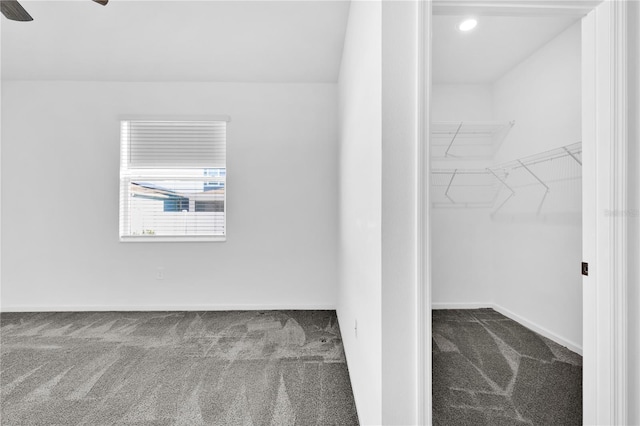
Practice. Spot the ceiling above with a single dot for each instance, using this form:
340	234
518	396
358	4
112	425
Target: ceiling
229	41
493	48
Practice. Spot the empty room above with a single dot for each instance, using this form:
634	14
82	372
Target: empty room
249	213
188	233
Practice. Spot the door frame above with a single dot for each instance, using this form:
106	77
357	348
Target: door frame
605	145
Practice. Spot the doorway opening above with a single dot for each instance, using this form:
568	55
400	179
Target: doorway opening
608	40
506	219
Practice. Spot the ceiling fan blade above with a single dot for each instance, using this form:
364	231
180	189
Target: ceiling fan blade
11	9
102	2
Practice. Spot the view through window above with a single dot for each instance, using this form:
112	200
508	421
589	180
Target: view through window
173	180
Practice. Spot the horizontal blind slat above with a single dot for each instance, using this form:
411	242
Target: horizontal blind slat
176	144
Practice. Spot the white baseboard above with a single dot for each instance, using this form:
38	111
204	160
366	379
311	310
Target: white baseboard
539	329
147	308
461	305
517	318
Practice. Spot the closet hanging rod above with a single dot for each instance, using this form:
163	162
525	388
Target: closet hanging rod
517	165
500	173
567	151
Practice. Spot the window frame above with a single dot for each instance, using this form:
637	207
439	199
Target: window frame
126	178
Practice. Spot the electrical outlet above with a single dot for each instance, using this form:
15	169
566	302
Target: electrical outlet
355	328
160	273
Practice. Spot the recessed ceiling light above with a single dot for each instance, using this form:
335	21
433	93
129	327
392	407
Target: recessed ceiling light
467	25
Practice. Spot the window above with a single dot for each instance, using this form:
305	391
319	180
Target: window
173	180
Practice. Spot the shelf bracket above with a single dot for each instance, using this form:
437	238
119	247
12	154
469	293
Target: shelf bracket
572	155
501	181
546	192
502	204
446	193
506	186
446	153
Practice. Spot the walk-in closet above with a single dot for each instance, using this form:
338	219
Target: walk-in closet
506	194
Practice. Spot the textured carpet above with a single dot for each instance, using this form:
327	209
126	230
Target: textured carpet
174	368
490	370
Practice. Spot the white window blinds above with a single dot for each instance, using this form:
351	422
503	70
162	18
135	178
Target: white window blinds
172	180
176	144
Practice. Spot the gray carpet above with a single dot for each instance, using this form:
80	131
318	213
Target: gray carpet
490	370
174	368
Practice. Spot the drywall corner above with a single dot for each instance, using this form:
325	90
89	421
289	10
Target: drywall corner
359	293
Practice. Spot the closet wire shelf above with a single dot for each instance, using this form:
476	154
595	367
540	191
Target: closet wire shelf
494	186
453	140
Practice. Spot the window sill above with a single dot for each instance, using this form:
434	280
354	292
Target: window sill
176	239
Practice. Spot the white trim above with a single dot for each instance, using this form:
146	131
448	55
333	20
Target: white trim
531	325
590	322
151	308
176	117
604	238
468	305
577	8
605	145
618	224
423	201
1	160
539	329
176	239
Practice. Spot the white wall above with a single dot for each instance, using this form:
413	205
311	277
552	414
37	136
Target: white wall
461	102
378	227
462	260
525	264
0	172
360	206
542	94
537	259
400	151
633	308
60	167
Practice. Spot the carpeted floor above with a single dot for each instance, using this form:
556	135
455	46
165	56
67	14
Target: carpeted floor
174	368
490	370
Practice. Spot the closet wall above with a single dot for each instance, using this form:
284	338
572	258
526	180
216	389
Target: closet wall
537	257
522	257
462	270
